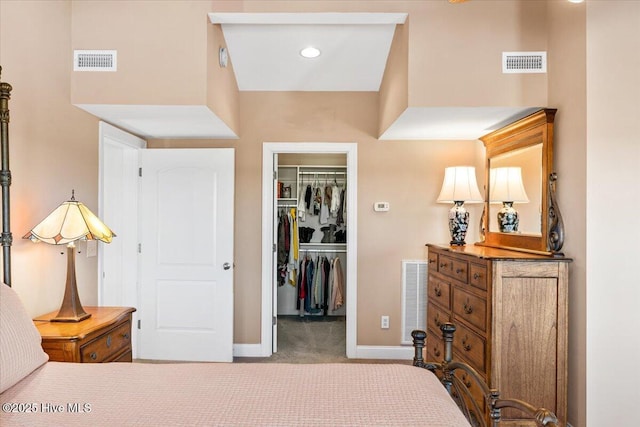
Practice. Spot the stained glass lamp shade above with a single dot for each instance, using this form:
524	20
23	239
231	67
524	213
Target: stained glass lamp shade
69	222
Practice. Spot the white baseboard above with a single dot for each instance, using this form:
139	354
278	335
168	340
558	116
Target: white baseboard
384	352
362	351
248	350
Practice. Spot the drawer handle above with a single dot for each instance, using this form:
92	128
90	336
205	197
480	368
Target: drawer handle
467	307
465	381
443	264
431	261
108	341
438	291
459	270
437	321
465	345
125	335
93	356
436	352
476	276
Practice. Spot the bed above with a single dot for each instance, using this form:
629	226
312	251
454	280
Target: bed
36	392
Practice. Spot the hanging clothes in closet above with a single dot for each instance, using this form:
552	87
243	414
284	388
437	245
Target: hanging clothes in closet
320	285
288	247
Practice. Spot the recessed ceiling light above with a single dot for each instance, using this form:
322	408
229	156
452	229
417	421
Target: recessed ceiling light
576	1
310	52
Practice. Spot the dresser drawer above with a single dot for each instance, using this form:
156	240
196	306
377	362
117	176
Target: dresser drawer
470	308
439	292
435	318
432	261
459	270
472	387
435	347
127	356
478	276
471	346
107	345
445	264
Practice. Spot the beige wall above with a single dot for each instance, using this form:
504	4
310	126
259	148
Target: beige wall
394	88
567	92
160	43
168	45
612	206
455	53
53	147
223	97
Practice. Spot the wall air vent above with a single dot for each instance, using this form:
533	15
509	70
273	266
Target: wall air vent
95	60
414	298
524	62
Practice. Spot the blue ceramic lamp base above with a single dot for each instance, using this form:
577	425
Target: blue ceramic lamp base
458	224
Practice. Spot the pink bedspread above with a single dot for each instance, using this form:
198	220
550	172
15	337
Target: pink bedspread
240	394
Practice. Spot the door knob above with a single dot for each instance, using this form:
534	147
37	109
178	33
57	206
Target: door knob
226	266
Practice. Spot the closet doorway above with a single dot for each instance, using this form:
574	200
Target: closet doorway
291	173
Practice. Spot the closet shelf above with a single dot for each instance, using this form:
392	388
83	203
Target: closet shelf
323	244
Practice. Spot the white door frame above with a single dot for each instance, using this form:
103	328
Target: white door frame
268	151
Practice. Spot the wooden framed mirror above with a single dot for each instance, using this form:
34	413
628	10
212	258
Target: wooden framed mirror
520	210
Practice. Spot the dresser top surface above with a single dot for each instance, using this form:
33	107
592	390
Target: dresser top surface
100	317
487	252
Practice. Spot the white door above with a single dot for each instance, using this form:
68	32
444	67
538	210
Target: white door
118	208
186	254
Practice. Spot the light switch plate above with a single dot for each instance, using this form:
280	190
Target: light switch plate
92	248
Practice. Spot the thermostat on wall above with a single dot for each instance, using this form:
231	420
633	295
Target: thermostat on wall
381	206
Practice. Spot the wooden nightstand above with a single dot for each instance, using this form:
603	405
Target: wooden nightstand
104	337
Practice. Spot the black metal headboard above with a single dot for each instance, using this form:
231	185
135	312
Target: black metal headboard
5	180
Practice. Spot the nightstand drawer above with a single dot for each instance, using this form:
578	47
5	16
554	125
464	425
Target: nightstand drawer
103	337
107	345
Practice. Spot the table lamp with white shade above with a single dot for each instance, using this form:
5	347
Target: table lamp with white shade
459	186
68	223
506	187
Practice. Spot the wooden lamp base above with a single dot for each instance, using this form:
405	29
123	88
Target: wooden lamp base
71	309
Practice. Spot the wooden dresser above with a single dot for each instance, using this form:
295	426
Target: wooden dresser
104	337
510	311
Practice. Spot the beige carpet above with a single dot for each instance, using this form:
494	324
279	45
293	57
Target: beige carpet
312	340
307	340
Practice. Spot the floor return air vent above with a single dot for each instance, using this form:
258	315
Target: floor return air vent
414	298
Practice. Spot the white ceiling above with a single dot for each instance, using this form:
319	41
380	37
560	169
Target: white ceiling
455	123
264	49
163	121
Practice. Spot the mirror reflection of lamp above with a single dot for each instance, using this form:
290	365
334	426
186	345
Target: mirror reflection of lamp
459	186
507	188
68	223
